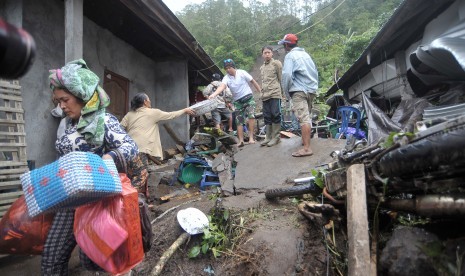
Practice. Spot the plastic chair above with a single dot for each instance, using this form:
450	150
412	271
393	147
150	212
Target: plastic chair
346	114
209	179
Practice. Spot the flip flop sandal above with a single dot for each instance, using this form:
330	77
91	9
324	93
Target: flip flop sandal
300	154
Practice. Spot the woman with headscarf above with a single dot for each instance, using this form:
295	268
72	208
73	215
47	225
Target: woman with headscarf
88	128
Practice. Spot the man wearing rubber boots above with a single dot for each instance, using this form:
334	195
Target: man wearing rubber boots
271	95
299	82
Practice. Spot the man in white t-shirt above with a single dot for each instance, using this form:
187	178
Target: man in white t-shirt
237	81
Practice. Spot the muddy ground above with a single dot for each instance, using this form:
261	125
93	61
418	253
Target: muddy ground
264	237
275	239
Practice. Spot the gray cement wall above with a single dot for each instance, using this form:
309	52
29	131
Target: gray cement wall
171	94
44	21
165	82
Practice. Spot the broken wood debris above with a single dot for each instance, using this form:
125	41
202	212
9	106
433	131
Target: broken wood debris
176	196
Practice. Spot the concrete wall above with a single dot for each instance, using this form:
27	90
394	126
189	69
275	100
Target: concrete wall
171	94
11	11
166	82
44	20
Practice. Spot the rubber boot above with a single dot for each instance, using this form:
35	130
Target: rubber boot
267	137
275	134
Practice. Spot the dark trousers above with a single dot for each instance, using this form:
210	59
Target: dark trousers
59	246
272	111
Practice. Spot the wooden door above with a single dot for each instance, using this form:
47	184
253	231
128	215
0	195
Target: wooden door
117	88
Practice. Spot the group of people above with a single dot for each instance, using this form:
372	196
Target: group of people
134	140
296	81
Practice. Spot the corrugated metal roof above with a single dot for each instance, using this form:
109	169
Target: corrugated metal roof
404	27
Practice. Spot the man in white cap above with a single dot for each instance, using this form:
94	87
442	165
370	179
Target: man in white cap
299	83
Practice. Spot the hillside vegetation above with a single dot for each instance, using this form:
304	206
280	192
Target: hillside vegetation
334	32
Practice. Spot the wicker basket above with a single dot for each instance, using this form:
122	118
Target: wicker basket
203	107
73	180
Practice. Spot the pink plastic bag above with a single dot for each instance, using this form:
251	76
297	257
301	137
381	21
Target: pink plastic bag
109	231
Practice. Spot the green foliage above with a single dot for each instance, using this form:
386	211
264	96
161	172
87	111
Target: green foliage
396	136
411	220
215	238
335	38
319	177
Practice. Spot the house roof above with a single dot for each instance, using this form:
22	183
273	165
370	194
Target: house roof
151	28
404	27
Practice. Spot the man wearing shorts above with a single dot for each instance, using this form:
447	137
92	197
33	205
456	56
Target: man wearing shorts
300	82
237	80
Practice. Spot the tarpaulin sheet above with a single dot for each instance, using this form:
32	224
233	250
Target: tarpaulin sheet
404	118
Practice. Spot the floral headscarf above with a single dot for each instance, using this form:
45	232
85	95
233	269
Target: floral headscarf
83	83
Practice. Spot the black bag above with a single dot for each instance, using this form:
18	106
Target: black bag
145	224
245	99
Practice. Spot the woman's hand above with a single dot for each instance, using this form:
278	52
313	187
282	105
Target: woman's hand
189	111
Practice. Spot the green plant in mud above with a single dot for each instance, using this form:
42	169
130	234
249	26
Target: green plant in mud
215	238
412	220
395	137
319	177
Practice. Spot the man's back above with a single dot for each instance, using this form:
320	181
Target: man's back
299	72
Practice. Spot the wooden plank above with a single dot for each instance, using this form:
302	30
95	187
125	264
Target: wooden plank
5	149
11	109
8	201
287	134
11	171
357	222
11	97
9	176
10	92
12	144
11	121
4	184
12	164
10	84
4	133
22	156
11	195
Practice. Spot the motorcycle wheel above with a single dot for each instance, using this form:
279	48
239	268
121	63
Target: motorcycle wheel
310	188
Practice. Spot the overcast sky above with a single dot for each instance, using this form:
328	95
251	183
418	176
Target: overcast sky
178	5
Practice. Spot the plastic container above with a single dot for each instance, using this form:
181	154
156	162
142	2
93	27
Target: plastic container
203	107
191	173
73	180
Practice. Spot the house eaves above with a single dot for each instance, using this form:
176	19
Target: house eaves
151	28
404	27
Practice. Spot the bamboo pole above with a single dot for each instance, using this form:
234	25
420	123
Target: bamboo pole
156	271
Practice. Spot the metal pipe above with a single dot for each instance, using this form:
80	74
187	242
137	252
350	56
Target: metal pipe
430	205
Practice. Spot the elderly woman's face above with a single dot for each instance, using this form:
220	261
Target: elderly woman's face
70	104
